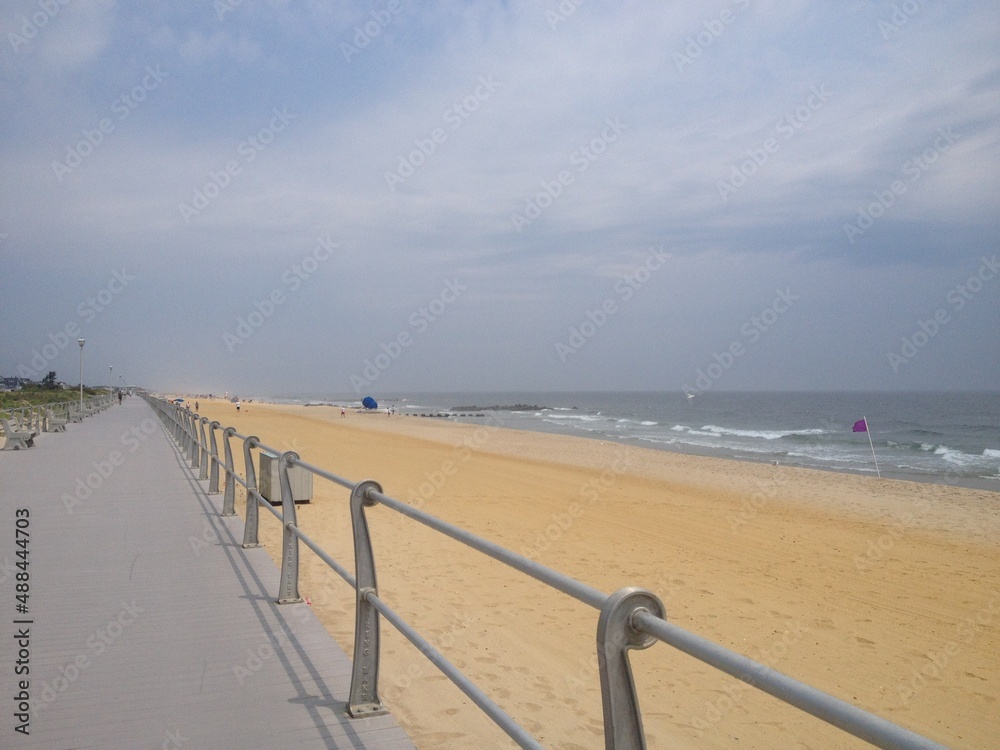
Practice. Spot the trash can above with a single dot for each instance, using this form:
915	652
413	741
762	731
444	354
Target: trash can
269	481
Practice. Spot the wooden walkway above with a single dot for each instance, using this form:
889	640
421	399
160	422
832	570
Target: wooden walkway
149	625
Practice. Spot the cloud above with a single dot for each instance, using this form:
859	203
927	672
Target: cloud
741	138
198	48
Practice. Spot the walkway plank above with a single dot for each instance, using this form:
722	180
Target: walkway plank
150	626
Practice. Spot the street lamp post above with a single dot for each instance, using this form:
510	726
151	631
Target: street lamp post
81	342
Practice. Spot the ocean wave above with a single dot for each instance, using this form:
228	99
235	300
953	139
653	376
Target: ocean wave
626	421
761	434
953	456
572	417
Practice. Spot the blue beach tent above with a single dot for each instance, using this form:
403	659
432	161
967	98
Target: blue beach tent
369	403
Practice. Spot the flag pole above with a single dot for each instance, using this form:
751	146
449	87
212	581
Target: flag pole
869	432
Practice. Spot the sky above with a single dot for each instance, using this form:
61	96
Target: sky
273	198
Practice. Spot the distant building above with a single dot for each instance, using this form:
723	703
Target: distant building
12	384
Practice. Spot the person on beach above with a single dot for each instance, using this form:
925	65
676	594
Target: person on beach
196	406
237	406
343	413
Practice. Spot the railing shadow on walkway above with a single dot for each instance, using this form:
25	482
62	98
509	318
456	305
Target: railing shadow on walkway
324	709
629	619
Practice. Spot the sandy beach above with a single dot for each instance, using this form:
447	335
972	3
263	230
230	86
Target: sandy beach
883	593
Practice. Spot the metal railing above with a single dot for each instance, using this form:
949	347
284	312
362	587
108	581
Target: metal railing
630	618
46	417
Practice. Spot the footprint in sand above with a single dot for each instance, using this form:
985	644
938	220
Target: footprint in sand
864	641
826	624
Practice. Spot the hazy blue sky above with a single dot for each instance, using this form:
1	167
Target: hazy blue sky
276	197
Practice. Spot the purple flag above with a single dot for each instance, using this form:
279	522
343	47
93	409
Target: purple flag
861	426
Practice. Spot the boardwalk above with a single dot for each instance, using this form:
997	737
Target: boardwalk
150	627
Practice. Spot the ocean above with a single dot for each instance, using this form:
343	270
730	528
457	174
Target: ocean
948	438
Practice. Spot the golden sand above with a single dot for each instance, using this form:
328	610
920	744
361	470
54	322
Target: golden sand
883	593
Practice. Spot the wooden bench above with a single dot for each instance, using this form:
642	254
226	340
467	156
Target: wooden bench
15	439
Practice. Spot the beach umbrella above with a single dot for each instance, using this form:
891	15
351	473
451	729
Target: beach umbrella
369	403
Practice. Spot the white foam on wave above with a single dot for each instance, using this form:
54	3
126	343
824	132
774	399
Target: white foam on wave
763	434
953	456
572	417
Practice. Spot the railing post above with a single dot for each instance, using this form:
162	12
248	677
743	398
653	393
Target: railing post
229	499
194	452
288	588
182	430
213	479
363	699
203	446
250	522
615	638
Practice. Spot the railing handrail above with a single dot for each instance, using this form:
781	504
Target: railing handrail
630	618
